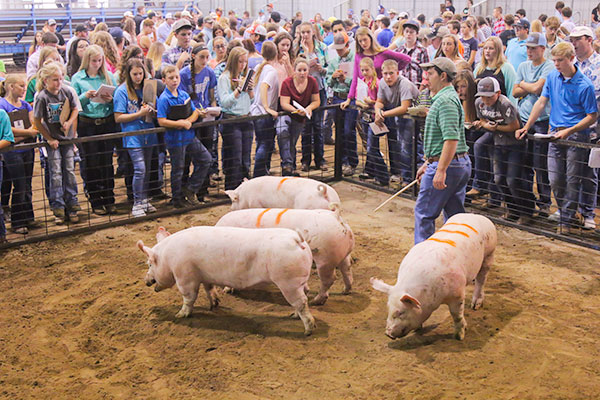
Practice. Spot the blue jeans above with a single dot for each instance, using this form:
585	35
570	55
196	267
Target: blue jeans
63	184
539	162
312	137
19	165
483	181
264	129
509	164
375	164
406	135
140	158
568	172
237	147
431	202
347	134
201	159
288	131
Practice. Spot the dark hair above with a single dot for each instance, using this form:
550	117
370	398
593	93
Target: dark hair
49	38
566	12
248	44
521	11
130	52
218	28
131	64
559	4
386	21
195	51
509	19
74	60
454	24
421	18
543	18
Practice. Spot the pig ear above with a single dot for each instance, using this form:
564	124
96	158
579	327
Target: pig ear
409	300
145	249
380	285
232	195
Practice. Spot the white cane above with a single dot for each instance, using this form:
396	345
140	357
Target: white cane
397	194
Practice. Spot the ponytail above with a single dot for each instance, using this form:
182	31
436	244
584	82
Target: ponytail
269	53
195	51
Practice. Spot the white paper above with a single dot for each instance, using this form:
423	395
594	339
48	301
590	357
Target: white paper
299	107
211	113
362	90
420	110
102	90
543	135
348	68
19	124
594	161
378	130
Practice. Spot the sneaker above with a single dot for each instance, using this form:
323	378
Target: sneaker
73	217
589	223
305	167
544	211
322	166
365	176
75	207
555	217
138	210
474	193
395	179
59	216
347	170
380	183
149	208
190	196
22	230
99	211
111	209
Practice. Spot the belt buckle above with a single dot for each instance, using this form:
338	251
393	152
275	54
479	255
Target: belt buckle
98	121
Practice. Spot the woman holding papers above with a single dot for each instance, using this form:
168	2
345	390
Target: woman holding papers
94	85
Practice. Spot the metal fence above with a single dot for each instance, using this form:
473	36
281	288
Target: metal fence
383	163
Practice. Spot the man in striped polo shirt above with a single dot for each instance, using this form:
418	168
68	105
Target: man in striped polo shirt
447	169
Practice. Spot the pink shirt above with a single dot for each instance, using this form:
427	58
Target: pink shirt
402	59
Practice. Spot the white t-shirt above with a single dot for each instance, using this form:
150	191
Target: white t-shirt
268	75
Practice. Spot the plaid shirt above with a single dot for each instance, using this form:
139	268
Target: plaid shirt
419	55
498	27
171	56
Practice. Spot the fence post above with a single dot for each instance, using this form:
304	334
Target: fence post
339	142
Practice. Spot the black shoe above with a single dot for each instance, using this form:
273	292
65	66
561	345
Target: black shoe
111	209
305	168
365	176
287	171
180	204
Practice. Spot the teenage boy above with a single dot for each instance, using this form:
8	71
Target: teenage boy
573	110
516	51
415	50
173	106
386	35
339	80
531	77
498	115
180	55
394	97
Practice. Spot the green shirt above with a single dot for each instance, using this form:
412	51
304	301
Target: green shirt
81	82
333	66
445	121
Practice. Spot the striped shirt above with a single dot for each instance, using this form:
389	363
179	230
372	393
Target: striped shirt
445	121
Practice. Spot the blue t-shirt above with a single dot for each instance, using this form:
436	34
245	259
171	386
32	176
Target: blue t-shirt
529	73
205	81
6	106
123	104
516	52
5	129
570	99
385	37
174	137
328	39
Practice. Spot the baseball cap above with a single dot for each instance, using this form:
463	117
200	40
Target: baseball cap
535	39
340	40
116	33
93	20
379	17
260	30
270	5
487	87
413	24
403	15
81	28
208	20
350	11
186	13
151	14
276	17
51	22
392	11
443	64
168	15
128	14
438	20
182	24
439	32
523	23
579	31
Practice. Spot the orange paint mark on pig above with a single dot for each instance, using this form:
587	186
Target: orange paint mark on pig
468	226
278	219
281	182
459	232
260	217
446	241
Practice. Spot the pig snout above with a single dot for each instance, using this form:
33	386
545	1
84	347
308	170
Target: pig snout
149	280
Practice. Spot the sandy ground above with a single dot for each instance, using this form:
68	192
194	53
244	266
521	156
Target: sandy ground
77	321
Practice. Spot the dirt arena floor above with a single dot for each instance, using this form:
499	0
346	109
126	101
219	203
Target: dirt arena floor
77	321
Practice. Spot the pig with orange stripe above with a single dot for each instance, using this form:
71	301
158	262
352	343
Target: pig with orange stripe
329	237
286	192
436	271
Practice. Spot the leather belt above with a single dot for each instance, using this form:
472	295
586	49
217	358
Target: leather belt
95	121
456	157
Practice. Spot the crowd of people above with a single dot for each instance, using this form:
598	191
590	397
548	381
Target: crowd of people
480	83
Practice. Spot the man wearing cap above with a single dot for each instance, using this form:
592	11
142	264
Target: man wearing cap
179	55
573	110
164	30
339	79
531	77
588	62
81	31
516	51
499	116
207	27
436	37
48	40
258	36
61	40
117	35
447	169
393	14
415	50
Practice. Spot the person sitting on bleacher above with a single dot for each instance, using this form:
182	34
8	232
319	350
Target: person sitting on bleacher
48	39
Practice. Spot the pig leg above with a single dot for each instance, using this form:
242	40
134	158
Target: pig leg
213	297
478	294
457	310
346	270
298	300
327	277
189	291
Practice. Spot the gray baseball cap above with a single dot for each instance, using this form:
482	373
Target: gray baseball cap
444	64
487	87
536	39
181	24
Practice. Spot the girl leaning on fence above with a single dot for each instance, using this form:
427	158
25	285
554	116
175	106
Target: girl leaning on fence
6	139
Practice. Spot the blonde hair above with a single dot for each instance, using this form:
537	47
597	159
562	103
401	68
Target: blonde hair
563	49
269	53
45	54
155	53
536	26
498	61
11	79
46	72
455	56
101	27
94	50
368	63
232	65
375	47
169	69
106	41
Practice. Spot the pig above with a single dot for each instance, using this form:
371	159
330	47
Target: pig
286	192
436	271
229	256
329	237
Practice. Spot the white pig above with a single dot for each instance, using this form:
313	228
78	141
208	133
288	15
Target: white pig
329	237
286	192
235	257
436	272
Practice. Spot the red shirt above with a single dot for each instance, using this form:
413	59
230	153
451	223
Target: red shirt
499	26
288	89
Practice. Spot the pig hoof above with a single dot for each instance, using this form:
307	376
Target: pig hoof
347	291
215	304
476	304
308	332
460	335
318	300
228	289
183	314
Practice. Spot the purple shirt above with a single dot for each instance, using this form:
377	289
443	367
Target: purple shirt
378	60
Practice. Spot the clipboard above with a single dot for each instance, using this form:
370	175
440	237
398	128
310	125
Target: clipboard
149	97
378	130
102	90
248	80
20	119
65	113
180	111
